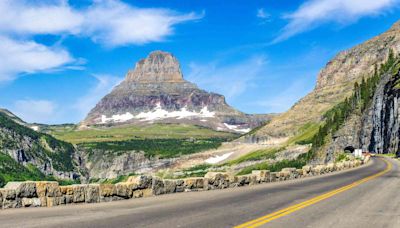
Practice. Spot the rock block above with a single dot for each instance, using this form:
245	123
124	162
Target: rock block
157	186
92	193
140	182
107	190
23	189
31	202
79	193
67	190
169	186
124	189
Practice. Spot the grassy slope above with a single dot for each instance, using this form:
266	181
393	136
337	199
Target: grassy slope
123	133
305	136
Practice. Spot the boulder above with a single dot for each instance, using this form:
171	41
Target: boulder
140	182
180	185
261	175
67	190
31	202
194	183
300	172
8	194
48	188
142	193
11	203
216	180
67	199
124	189
157	186
79	193
23	189
54	201
170	186
273	176
107	190
306	169
9	199
92	193
243	180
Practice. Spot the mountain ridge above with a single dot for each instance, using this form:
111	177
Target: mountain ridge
334	83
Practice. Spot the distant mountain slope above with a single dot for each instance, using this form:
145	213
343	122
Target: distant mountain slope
155	92
335	82
35	154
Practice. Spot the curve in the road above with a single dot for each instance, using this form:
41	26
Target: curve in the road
286	211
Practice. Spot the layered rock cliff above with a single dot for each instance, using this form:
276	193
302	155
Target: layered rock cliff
377	129
335	83
155	91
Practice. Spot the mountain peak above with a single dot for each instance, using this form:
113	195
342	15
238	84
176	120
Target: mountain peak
159	66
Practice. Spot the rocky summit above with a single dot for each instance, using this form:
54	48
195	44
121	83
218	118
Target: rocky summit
155	91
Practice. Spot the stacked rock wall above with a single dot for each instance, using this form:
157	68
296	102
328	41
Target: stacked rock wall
49	193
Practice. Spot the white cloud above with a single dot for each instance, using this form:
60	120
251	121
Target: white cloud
109	22
35	111
104	85
28	57
114	23
316	12
229	80
24	17
262	14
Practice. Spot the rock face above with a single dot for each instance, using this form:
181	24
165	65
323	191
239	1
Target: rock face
381	124
377	129
155	91
21	146
108	167
335	82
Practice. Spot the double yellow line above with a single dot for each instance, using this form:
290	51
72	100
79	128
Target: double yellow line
267	218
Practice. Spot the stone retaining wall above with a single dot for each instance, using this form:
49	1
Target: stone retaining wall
49	193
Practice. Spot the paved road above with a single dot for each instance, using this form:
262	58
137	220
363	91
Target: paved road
375	203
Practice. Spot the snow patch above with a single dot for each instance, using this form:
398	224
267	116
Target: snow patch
218	158
159	113
117	118
35	128
235	128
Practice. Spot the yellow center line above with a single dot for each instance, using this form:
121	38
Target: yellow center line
269	217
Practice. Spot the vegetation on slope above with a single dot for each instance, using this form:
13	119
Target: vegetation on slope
10	170
38	147
257	155
123	133
161	148
275	167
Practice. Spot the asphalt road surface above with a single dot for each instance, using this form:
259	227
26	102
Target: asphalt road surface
368	196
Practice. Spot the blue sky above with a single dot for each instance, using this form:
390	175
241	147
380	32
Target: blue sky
60	57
